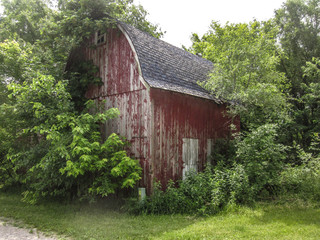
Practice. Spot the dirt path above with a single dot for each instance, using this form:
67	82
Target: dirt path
9	232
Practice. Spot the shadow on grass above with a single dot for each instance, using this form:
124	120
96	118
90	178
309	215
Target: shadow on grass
89	221
103	221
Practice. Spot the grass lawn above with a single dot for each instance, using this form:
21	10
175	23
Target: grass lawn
265	221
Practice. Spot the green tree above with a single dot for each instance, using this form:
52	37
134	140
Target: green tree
245	58
310	100
299	28
23	19
299	35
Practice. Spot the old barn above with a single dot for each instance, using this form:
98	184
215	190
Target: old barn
170	121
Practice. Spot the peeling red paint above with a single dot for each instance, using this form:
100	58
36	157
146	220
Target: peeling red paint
178	116
154	121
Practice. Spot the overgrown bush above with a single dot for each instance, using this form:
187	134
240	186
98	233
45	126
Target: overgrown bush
245	172
303	181
224	152
263	158
58	152
203	193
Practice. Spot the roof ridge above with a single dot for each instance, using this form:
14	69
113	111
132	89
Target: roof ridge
164	42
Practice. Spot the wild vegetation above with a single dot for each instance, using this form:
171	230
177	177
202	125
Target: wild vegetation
50	145
50	141
269	73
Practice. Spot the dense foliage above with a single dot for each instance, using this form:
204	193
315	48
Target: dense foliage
298	24
50	141
252	172
269	70
269	73
246	58
202	193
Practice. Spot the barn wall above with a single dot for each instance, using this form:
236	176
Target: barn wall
123	88
156	122
176	118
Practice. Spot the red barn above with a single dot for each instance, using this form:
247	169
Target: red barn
170	121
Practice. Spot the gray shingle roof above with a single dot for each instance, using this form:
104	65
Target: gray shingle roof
168	67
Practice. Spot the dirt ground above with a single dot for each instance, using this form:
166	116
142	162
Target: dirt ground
10	232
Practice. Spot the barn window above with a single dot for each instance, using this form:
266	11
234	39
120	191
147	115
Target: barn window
100	37
190	153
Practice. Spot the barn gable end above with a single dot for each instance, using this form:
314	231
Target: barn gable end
123	88
170	121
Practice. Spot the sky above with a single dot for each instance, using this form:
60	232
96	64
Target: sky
181	18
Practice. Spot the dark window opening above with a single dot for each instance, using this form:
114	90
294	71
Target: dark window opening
101	37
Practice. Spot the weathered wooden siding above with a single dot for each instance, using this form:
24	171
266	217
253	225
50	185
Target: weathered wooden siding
159	124
176	118
118	67
123	88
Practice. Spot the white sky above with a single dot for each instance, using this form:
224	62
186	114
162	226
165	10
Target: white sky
181	18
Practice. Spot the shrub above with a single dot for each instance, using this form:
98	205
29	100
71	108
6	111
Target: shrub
262	157
245	172
224	153
302	180
61	152
203	193
78	163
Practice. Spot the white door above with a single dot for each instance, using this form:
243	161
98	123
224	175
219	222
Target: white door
190	153
210	143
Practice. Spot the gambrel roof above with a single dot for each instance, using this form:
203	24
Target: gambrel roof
167	67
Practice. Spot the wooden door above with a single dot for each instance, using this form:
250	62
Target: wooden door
190	153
